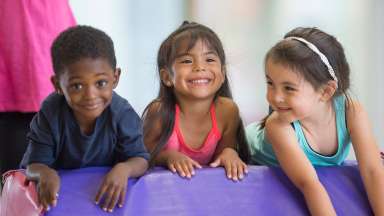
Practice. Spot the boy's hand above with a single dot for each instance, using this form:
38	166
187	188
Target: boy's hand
113	187
182	164
234	166
48	185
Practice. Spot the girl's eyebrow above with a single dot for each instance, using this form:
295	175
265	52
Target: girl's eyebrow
284	83
210	52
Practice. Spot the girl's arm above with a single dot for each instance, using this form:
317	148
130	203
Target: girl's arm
227	114
48	183
296	165
367	155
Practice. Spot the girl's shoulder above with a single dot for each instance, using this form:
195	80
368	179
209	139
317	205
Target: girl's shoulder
227	111
226	106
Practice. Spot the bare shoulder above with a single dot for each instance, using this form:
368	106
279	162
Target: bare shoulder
227	114
356	115
152	124
226	107
278	129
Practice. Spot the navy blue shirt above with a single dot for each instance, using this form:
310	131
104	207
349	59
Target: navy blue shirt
55	138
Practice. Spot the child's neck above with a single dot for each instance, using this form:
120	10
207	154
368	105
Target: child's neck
195	108
323	115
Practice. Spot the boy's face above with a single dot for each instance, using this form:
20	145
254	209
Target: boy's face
87	86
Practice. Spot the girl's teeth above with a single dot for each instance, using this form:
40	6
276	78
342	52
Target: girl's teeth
200	81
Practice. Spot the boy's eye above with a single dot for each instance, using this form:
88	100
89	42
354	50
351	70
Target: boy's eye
76	86
101	83
211	60
269	83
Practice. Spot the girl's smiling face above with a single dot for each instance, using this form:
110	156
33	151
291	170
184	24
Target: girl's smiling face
288	93
196	73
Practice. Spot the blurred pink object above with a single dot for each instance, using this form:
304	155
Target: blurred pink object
18	198
27	29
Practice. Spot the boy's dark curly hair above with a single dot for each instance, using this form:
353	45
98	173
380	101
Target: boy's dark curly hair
80	42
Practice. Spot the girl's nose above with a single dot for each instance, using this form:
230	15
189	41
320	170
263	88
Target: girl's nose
199	67
278	97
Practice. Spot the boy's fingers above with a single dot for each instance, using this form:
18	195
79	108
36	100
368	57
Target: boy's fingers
108	198
122	197
114	199
100	193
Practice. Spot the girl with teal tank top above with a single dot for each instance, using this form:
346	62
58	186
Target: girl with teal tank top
262	152
314	121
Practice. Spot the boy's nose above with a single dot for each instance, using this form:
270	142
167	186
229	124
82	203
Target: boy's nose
90	92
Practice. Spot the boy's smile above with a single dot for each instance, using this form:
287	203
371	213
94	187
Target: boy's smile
87	86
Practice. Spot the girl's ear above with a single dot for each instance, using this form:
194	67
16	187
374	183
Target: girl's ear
55	83
116	77
166	77
328	90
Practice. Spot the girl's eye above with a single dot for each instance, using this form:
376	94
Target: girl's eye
288	88
101	83
269	83
76	86
186	61
211	60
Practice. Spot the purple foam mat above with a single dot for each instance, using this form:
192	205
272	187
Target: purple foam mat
264	191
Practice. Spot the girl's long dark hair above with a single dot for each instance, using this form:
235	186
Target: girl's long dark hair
302	60
166	100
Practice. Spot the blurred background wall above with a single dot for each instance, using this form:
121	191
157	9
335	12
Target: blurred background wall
247	28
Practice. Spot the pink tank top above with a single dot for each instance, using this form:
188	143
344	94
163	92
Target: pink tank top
202	155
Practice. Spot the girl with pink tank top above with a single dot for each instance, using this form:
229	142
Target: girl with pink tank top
194	122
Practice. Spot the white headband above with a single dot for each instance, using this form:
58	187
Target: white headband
320	54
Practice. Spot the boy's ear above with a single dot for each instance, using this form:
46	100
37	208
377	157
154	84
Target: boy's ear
166	77
55	83
328	90
116	76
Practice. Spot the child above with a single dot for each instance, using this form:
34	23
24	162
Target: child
313	120
85	123
193	121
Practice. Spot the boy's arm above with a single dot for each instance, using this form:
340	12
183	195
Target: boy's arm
48	183
114	185
296	165
367	155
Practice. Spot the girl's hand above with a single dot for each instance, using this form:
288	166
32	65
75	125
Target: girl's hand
182	164
113	187
234	166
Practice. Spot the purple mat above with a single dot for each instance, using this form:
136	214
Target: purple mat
265	191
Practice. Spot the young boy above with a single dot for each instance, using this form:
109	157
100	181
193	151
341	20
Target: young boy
85	123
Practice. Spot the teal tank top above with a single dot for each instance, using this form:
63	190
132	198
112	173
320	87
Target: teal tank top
262	152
